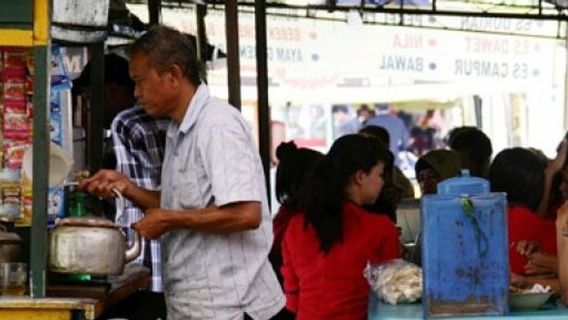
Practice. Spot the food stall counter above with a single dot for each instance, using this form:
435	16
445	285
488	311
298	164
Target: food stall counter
71	303
380	311
25	308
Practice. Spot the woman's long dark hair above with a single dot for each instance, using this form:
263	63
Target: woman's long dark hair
325	187
520	173
293	166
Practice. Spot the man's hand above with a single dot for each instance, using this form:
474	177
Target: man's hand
104	182
153	225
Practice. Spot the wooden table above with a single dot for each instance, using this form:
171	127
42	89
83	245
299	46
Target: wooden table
75	307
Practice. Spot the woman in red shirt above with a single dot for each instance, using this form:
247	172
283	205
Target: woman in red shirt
520	173
326	249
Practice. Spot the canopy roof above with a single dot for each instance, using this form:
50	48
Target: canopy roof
530	9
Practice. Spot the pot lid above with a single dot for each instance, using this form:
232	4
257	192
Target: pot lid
90	221
8	237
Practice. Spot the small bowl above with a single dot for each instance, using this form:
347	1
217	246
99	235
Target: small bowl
528	301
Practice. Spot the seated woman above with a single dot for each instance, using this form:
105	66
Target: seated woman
554	195
520	173
326	249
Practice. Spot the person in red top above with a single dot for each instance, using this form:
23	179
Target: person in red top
326	249
525	225
554	195
293	165
520	173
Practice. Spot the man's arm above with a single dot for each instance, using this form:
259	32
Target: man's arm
143	198
234	217
105	182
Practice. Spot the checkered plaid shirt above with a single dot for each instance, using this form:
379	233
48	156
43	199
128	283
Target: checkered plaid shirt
139	142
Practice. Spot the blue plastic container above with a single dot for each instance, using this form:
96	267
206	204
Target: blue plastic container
465	256
463	185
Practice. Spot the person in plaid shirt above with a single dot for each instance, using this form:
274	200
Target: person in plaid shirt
139	142
137	146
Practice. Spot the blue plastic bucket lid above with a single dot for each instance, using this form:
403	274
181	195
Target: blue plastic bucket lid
465	184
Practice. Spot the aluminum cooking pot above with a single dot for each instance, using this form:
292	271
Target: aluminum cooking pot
10	245
91	245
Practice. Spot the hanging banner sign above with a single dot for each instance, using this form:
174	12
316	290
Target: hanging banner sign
309	53
323	56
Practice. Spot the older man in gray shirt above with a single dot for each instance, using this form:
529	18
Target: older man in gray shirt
211	213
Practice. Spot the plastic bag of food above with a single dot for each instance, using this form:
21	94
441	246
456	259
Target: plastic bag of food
395	281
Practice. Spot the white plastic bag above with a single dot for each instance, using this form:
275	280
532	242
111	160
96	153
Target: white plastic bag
395	281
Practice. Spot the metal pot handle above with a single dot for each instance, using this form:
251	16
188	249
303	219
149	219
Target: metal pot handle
134	251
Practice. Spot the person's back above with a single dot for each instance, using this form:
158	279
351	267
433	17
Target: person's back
327	247
399	136
336	278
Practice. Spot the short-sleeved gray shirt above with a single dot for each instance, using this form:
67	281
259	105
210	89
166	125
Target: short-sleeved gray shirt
211	159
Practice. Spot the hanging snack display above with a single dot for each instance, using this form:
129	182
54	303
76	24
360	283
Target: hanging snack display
16	126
